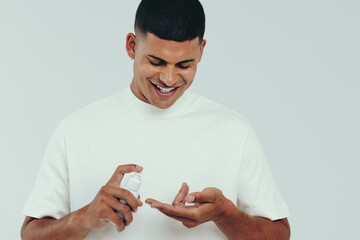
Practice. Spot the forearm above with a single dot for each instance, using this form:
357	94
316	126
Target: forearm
68	227
237	225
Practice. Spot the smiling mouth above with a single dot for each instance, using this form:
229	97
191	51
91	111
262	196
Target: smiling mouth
164	90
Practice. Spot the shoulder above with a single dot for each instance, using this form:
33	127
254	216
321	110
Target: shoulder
94	111
208	108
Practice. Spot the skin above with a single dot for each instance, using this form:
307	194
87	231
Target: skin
94	215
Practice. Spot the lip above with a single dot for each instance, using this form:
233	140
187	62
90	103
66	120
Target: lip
164	95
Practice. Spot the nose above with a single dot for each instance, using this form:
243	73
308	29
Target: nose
168	76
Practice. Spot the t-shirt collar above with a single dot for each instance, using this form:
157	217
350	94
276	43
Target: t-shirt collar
150	110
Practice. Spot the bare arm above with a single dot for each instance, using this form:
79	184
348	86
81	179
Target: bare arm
68	227
94	215
211	205
237	225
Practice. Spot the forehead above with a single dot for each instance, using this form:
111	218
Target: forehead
170	51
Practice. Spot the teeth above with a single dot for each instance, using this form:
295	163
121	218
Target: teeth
165	90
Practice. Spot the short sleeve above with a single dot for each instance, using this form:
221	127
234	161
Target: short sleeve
258	194
50	194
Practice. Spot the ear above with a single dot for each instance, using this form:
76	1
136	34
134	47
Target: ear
202	49
130	45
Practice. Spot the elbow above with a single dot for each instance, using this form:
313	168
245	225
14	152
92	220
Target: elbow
286	229
24	232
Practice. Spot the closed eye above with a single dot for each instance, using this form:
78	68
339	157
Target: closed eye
182	66
159	63
155	61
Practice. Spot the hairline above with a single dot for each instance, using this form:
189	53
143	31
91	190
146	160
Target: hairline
142	36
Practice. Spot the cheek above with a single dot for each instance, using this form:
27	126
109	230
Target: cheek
147	71
189	75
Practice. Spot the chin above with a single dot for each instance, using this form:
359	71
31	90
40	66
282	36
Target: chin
164	106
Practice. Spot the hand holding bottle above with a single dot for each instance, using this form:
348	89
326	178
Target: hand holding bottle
105	205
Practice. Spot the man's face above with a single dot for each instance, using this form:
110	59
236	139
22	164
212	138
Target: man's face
163	69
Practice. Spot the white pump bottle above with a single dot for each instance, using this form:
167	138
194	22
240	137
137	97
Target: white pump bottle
132	184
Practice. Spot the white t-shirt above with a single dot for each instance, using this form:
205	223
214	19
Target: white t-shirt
196	141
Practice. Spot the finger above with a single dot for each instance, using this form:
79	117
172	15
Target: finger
177	210
192	214
139	202
129	198
117	220
123	194
123	209
154	203
206	196
180	197
150	201
157	204
118	175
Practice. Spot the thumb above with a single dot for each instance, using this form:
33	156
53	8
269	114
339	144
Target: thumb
206	196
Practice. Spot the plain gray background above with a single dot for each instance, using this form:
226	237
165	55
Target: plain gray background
290	67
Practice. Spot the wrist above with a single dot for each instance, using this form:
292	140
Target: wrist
78	220
228	212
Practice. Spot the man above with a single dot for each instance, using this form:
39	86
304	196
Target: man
171	134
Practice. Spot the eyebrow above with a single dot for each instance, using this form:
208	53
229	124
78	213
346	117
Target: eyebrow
185	61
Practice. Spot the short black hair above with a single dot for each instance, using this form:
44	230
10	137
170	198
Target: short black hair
176	20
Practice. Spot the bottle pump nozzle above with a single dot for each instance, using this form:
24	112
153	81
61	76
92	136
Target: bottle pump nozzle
134	182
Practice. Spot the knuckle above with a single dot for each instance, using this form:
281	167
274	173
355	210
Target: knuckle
103	199
103	189
217	192
127	193
212	193
119	168
102	210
